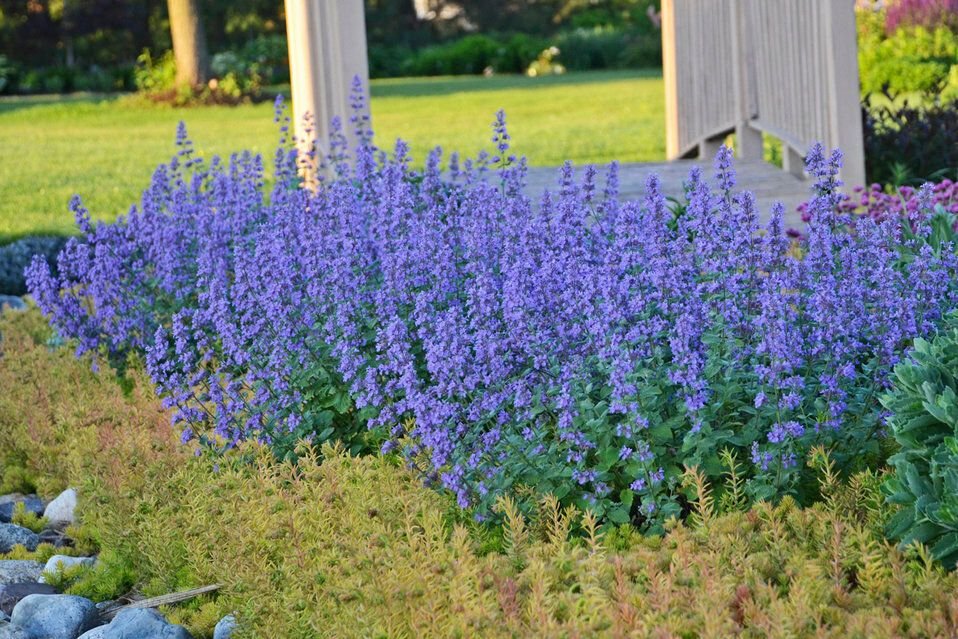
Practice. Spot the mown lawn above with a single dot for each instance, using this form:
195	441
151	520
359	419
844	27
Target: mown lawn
105	148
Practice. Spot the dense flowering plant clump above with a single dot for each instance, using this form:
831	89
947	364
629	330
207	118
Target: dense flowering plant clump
930	200
571	344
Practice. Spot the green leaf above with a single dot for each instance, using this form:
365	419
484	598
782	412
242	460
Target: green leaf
619	515
660	433
946	546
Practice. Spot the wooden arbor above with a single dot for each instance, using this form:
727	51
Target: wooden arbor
788	68
783	67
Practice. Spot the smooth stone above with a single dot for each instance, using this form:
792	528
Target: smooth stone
12	302
10	631
60	510
97	633
55	616
224	627
141	623
12	535
4	617
19	571
12	594
12	497
58	563
30	504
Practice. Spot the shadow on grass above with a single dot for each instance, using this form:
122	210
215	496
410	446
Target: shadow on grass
11	103
380	88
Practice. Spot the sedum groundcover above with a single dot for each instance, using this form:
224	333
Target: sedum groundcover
572	344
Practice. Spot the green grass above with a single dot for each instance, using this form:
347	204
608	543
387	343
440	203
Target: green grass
105	148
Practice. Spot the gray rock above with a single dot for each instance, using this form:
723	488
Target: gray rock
30	503
224	627
10	631
97	633
12	535
12	302
19	571
4	617
12	497
60	510
12	594
55	537
141	623
57	563
55	616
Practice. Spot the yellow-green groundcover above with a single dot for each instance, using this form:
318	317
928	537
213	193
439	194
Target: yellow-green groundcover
337	546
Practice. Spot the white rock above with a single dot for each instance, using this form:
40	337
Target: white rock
60	510
57	563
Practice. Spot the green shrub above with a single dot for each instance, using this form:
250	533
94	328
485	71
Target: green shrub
910	60
924	422
466	56
238	77
9	73
580	50
236	74
268	53
29	520
910	142
15	479
155	75
387	61
587	49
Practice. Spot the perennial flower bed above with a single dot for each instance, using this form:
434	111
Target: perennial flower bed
571	344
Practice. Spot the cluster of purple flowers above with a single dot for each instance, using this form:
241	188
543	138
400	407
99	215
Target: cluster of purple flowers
571	343
907	202
921	13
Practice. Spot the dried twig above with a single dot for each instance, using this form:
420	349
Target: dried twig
162	600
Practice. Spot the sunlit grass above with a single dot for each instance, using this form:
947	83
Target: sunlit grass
106	148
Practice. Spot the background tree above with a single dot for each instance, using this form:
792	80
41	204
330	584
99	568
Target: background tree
189	43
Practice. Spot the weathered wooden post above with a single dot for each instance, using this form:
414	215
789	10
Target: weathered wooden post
327	49
845	90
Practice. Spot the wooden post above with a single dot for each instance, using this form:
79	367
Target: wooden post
748	141
327	49
792	160
844	89
709	147
670	77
